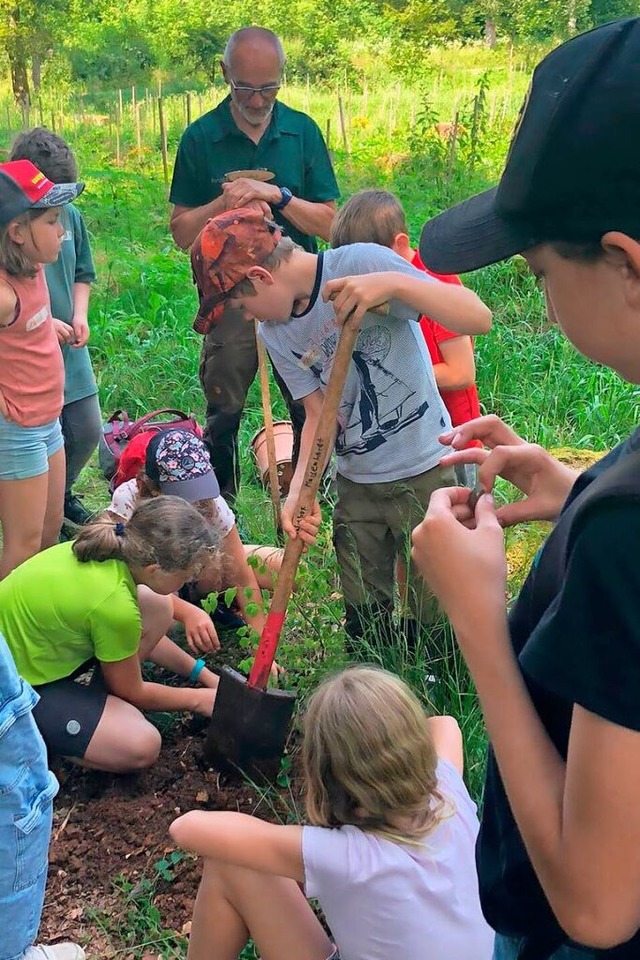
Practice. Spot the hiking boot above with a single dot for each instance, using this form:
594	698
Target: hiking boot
75	514
57	951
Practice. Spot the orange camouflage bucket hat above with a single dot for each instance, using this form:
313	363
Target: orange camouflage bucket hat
222	255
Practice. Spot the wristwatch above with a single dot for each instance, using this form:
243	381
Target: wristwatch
285	197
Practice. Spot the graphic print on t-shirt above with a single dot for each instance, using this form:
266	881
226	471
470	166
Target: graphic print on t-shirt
384	404
390	399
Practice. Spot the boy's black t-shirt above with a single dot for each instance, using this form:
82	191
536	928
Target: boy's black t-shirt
576	631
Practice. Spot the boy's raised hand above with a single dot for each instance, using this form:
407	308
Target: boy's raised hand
545	481
353	296
448	552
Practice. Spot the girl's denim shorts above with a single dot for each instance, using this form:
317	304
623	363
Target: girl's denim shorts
25	451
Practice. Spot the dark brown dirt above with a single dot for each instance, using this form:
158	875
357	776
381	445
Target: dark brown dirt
107	827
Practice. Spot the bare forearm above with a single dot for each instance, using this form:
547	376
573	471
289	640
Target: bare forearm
81	293
532	770
314	219
450	379
186	226
456	308
170	656
155	696
306	445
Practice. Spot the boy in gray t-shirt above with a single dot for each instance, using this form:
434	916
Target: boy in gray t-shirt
391	413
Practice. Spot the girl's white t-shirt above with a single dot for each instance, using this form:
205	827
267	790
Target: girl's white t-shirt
125	499
391	901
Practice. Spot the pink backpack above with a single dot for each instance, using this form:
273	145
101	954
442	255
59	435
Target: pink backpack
119	430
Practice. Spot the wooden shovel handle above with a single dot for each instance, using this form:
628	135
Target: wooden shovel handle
267	413
320	448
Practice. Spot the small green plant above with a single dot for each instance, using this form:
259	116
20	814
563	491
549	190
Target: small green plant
166	866
284	774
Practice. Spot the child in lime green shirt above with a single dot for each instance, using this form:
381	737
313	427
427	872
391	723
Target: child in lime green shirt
104	602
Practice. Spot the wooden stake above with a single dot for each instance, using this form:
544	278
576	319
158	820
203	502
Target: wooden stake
188	109
343	128
453	140
267	413
138	132
163	143
118	135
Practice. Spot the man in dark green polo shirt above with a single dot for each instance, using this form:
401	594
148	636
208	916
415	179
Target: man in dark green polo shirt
249	130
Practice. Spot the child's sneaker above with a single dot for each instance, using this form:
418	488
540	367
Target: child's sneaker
57	951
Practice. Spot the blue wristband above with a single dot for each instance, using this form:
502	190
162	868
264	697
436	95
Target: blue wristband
196	670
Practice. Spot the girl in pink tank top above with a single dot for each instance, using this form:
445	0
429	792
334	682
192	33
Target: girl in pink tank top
32	465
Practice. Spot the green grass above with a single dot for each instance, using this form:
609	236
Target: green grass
146	354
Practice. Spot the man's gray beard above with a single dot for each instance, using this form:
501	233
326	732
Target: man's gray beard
251	120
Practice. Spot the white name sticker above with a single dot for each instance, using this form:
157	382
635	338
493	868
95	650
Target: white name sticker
37	319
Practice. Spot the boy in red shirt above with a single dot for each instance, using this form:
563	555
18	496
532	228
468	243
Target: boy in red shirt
376	216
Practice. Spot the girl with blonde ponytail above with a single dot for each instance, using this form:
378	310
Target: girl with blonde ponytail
103	604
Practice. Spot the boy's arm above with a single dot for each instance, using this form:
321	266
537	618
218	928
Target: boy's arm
84	276
312	407
242	840
456	308
457	370
447	739
80	323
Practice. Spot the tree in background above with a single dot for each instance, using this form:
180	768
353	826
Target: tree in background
113	43
29	30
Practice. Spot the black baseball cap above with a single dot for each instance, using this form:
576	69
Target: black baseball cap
573	168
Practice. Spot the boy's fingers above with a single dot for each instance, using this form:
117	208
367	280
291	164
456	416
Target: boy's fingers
448	498
471	455
485	512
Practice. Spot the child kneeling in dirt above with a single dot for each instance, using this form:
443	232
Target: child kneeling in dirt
391	413
176	461
389	853
104	602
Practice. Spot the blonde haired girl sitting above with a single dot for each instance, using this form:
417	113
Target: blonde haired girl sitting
389	852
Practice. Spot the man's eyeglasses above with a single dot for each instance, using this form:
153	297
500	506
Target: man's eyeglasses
268	92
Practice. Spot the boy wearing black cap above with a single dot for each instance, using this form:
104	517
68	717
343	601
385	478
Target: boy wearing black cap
391	412
559	848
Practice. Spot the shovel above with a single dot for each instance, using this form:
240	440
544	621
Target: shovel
250	724
267	413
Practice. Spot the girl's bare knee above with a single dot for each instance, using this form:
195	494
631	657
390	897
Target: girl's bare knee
143	749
